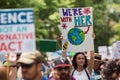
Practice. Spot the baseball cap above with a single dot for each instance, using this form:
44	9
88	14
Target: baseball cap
30	57
60	62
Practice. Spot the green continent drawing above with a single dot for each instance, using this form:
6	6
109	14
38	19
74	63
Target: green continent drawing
76	36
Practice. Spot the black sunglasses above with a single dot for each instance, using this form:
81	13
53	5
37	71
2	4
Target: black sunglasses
27	65
63	68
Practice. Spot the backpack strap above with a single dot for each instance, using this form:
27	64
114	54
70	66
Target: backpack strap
73	72
87	74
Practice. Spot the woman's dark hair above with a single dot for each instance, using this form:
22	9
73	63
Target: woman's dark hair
74	60
109	69
99	67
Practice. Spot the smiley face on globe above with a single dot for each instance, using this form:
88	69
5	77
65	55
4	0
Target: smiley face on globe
76	36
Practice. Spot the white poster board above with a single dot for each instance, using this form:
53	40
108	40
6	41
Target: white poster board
17	30
102	50
77	29
116	50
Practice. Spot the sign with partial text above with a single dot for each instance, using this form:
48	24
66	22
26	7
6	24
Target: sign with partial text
77	29
17	30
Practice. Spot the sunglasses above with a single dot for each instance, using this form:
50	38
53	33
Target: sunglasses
63	68
27	65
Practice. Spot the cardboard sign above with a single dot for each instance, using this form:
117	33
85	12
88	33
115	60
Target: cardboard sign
77	29
103	51
17	31
116	49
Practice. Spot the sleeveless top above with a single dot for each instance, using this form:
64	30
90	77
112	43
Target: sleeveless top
82	75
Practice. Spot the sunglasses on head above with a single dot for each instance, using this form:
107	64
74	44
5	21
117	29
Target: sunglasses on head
27	65
63	68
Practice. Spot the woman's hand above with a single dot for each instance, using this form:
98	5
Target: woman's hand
92	54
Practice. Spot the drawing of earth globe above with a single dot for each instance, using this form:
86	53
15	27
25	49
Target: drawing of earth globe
76	36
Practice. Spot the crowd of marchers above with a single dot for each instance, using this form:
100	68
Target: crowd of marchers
33	66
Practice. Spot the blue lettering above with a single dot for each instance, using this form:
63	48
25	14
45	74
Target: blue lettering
21	29
3	18
77	21
12	18
80	11
6	29
88	22
17	16
65	13
77	11
82	21
69	12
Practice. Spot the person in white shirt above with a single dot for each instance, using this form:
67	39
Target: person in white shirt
82	68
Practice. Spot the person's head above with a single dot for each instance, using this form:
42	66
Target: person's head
96	64
110	70
62	68
64	54
79	59
3	72
100	67
30	62
97	61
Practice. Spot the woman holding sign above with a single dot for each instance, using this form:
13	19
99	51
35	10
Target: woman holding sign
82	68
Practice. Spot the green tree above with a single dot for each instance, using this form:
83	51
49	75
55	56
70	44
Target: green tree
101	29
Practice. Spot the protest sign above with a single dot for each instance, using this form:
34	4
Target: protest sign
17	30
116	49
77	29
102	50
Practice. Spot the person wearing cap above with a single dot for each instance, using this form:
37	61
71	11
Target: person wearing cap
31	63
61	70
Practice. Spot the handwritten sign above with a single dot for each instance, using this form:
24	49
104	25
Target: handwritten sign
77	29
17	31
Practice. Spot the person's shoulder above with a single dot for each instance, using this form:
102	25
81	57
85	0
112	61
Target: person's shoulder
44	78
